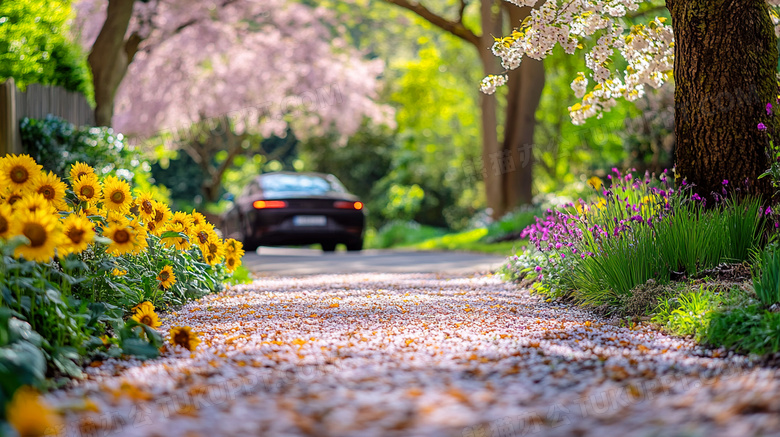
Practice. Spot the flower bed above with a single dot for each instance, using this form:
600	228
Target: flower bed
85	265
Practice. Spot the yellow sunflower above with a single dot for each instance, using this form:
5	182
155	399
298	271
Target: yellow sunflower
118	272
11	196
116	195
43	231
80	169
51	187
29	415
179	243
162	214
183	219
141	243
202	233
145	203
145	315
145	304
34	202
87	188
198	219
232	262
123	238
184	336
595	182
234	248
18	171
116	217
166	277
5	220
79	233
213	251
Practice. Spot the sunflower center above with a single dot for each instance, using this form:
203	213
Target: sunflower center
35	233
231	262
80	174
146	207
212	248
182	338
146	320
164	276
118	197
158	216
3	225
87	191
19	174
203	237
76	235
47	191
121	236
14	198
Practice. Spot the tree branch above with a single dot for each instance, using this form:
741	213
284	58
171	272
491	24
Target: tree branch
454	27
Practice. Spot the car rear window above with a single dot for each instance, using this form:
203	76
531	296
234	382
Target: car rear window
285	183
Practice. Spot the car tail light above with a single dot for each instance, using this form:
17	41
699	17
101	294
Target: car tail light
348	205
269	204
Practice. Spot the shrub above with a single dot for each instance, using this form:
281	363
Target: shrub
689	313
747	330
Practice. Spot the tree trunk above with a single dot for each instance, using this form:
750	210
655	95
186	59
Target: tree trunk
494	189
725	62
110	56
525	91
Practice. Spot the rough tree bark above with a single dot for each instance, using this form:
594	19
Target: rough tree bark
725	62
525	92
491	149
110	56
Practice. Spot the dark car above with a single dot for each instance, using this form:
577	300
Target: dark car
285	208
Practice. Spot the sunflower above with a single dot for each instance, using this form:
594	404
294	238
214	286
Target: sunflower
87	188
184	337
123	238
234	248
202	233
145	315
166	277
213	251
80	169
145	203
141	243
162	214
34	202
198	219
5	220
79	233
116	195
180	243
232	262
43	231
595	182
18	171
29	415
183	219
116	217
11	196
51	187
118	272
145	304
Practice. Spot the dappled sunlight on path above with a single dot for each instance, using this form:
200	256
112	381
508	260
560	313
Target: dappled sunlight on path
390	354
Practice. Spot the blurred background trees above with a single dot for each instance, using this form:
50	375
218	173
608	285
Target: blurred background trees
370	90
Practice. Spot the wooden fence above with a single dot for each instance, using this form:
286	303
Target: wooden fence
37	101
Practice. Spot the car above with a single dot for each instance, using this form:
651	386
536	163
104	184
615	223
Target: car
289	208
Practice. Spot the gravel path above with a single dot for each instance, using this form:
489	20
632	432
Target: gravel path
418	355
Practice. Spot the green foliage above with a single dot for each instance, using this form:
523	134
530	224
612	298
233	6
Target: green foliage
395	234
35	46
766	276
690	313
746	329
21	360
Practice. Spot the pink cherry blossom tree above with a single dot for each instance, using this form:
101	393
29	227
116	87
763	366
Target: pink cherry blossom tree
722	56
210	73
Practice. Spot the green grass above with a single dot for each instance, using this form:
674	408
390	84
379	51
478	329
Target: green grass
470	241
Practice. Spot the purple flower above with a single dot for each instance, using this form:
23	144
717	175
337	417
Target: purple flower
725	181
538	269
768	210
761	127
563	255
768	109
696	196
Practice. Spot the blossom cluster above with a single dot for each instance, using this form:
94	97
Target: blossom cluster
647	48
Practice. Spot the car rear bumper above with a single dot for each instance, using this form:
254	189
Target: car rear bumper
274	228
